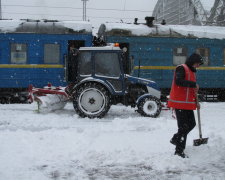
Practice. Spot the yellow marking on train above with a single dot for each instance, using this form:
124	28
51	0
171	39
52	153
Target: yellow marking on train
155	67
31	66
211	68
173	67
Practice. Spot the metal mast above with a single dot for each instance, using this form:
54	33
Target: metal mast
84	10
201	13
0	9
217	14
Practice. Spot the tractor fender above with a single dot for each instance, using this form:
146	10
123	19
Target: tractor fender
154	92
151	86
143	96
91	79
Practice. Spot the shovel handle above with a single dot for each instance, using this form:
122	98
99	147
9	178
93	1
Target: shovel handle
199	119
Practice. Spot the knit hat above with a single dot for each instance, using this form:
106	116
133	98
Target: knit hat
194	58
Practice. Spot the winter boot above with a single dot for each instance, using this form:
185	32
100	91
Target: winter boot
174	140
181	154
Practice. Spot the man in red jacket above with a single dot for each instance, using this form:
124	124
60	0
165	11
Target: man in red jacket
183	100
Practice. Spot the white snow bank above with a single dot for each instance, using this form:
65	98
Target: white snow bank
123	145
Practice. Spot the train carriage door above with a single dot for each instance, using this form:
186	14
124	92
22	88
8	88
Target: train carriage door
127	64
204	52
71	64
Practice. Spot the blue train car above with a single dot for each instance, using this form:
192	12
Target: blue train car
154	51
35	52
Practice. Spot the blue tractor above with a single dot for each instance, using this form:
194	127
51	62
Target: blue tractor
98	81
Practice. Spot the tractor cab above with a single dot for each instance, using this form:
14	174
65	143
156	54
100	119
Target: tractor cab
104	64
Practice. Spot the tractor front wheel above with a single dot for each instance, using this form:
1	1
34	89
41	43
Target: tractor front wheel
149	106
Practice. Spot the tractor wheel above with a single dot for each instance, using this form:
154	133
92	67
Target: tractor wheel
149	106
91	100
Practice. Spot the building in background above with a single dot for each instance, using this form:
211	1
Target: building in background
196	12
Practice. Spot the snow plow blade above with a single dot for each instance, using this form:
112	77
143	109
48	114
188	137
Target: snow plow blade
198	142
51	102
49	97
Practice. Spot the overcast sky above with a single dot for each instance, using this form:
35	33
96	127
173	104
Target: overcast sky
97	10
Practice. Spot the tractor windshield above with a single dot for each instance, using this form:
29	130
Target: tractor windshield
107	64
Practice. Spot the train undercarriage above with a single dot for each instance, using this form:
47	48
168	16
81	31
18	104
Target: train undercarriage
13	95
21	95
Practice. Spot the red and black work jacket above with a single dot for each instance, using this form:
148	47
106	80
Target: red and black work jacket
183	97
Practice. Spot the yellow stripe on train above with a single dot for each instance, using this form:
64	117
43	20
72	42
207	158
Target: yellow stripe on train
173	67
31	66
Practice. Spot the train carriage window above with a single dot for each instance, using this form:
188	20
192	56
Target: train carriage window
204	52
179	55
51	53
18	53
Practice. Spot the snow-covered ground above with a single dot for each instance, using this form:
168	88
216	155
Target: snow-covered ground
124	146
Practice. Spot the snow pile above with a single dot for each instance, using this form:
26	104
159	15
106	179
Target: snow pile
123	145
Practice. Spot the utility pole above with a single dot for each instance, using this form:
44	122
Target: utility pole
84	9
179	13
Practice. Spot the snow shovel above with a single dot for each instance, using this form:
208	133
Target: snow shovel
198	142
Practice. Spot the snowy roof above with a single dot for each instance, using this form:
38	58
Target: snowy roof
122	29
43	26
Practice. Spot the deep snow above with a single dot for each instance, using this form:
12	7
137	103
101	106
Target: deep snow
123	145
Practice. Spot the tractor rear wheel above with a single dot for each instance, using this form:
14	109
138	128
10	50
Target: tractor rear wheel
149	106
91	100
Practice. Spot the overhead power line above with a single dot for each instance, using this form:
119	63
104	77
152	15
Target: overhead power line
70	15
66	7
39	14
98	17
29	6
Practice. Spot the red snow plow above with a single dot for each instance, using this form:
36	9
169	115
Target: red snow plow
48	97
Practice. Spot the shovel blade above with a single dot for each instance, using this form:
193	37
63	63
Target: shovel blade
198	142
